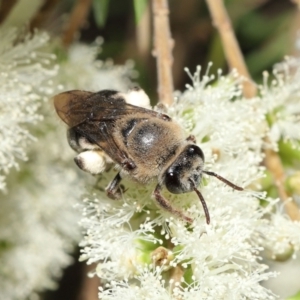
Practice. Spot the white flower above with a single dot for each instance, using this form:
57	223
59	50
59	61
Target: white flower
219	261
38	223
150	285
25	73
281	101
83	71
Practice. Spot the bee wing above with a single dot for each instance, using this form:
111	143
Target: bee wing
100	134
93	116
76	107
70	106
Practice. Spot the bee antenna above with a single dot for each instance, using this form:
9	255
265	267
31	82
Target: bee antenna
224	180
202	202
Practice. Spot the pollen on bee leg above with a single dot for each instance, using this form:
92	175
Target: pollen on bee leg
137	96
91	161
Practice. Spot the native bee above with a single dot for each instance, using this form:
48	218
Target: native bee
144	143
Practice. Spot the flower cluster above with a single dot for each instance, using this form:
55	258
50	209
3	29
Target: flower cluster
38	221
25	73
281	101
82	70
143	250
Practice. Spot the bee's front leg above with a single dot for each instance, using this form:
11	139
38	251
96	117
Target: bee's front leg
113	190
165	204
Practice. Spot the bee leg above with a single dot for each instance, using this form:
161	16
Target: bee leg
128	164
165	204
113	190
191	138
91	161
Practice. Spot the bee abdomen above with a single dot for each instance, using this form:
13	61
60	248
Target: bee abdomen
78	142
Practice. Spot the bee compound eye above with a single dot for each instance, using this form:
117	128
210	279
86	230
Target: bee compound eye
172	182
191	150
194	150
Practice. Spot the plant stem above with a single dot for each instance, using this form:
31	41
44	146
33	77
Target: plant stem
297	2
274	165
43	14
163	45
235	60
143	34
90	285
77	18
5	9
232	50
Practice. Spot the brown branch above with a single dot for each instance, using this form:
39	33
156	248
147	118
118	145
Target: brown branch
163	45
293	33
89	289
143	33
5	9
43	14
232	50
297	2
274	165
235	60
77	19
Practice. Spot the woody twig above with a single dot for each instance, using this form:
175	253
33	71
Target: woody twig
231	47
235	60
43	14
163	45
90	285
274	165
297	2
143	33
5	9
77	19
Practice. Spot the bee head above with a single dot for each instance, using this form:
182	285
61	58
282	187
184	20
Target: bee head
184	175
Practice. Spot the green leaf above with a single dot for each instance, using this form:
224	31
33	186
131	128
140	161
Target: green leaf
139	9
188	276
5	245
216	54
100	10
269	41
295	297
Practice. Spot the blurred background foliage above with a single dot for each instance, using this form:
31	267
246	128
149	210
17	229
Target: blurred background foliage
266	31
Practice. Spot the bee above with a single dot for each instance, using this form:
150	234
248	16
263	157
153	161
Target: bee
146	145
